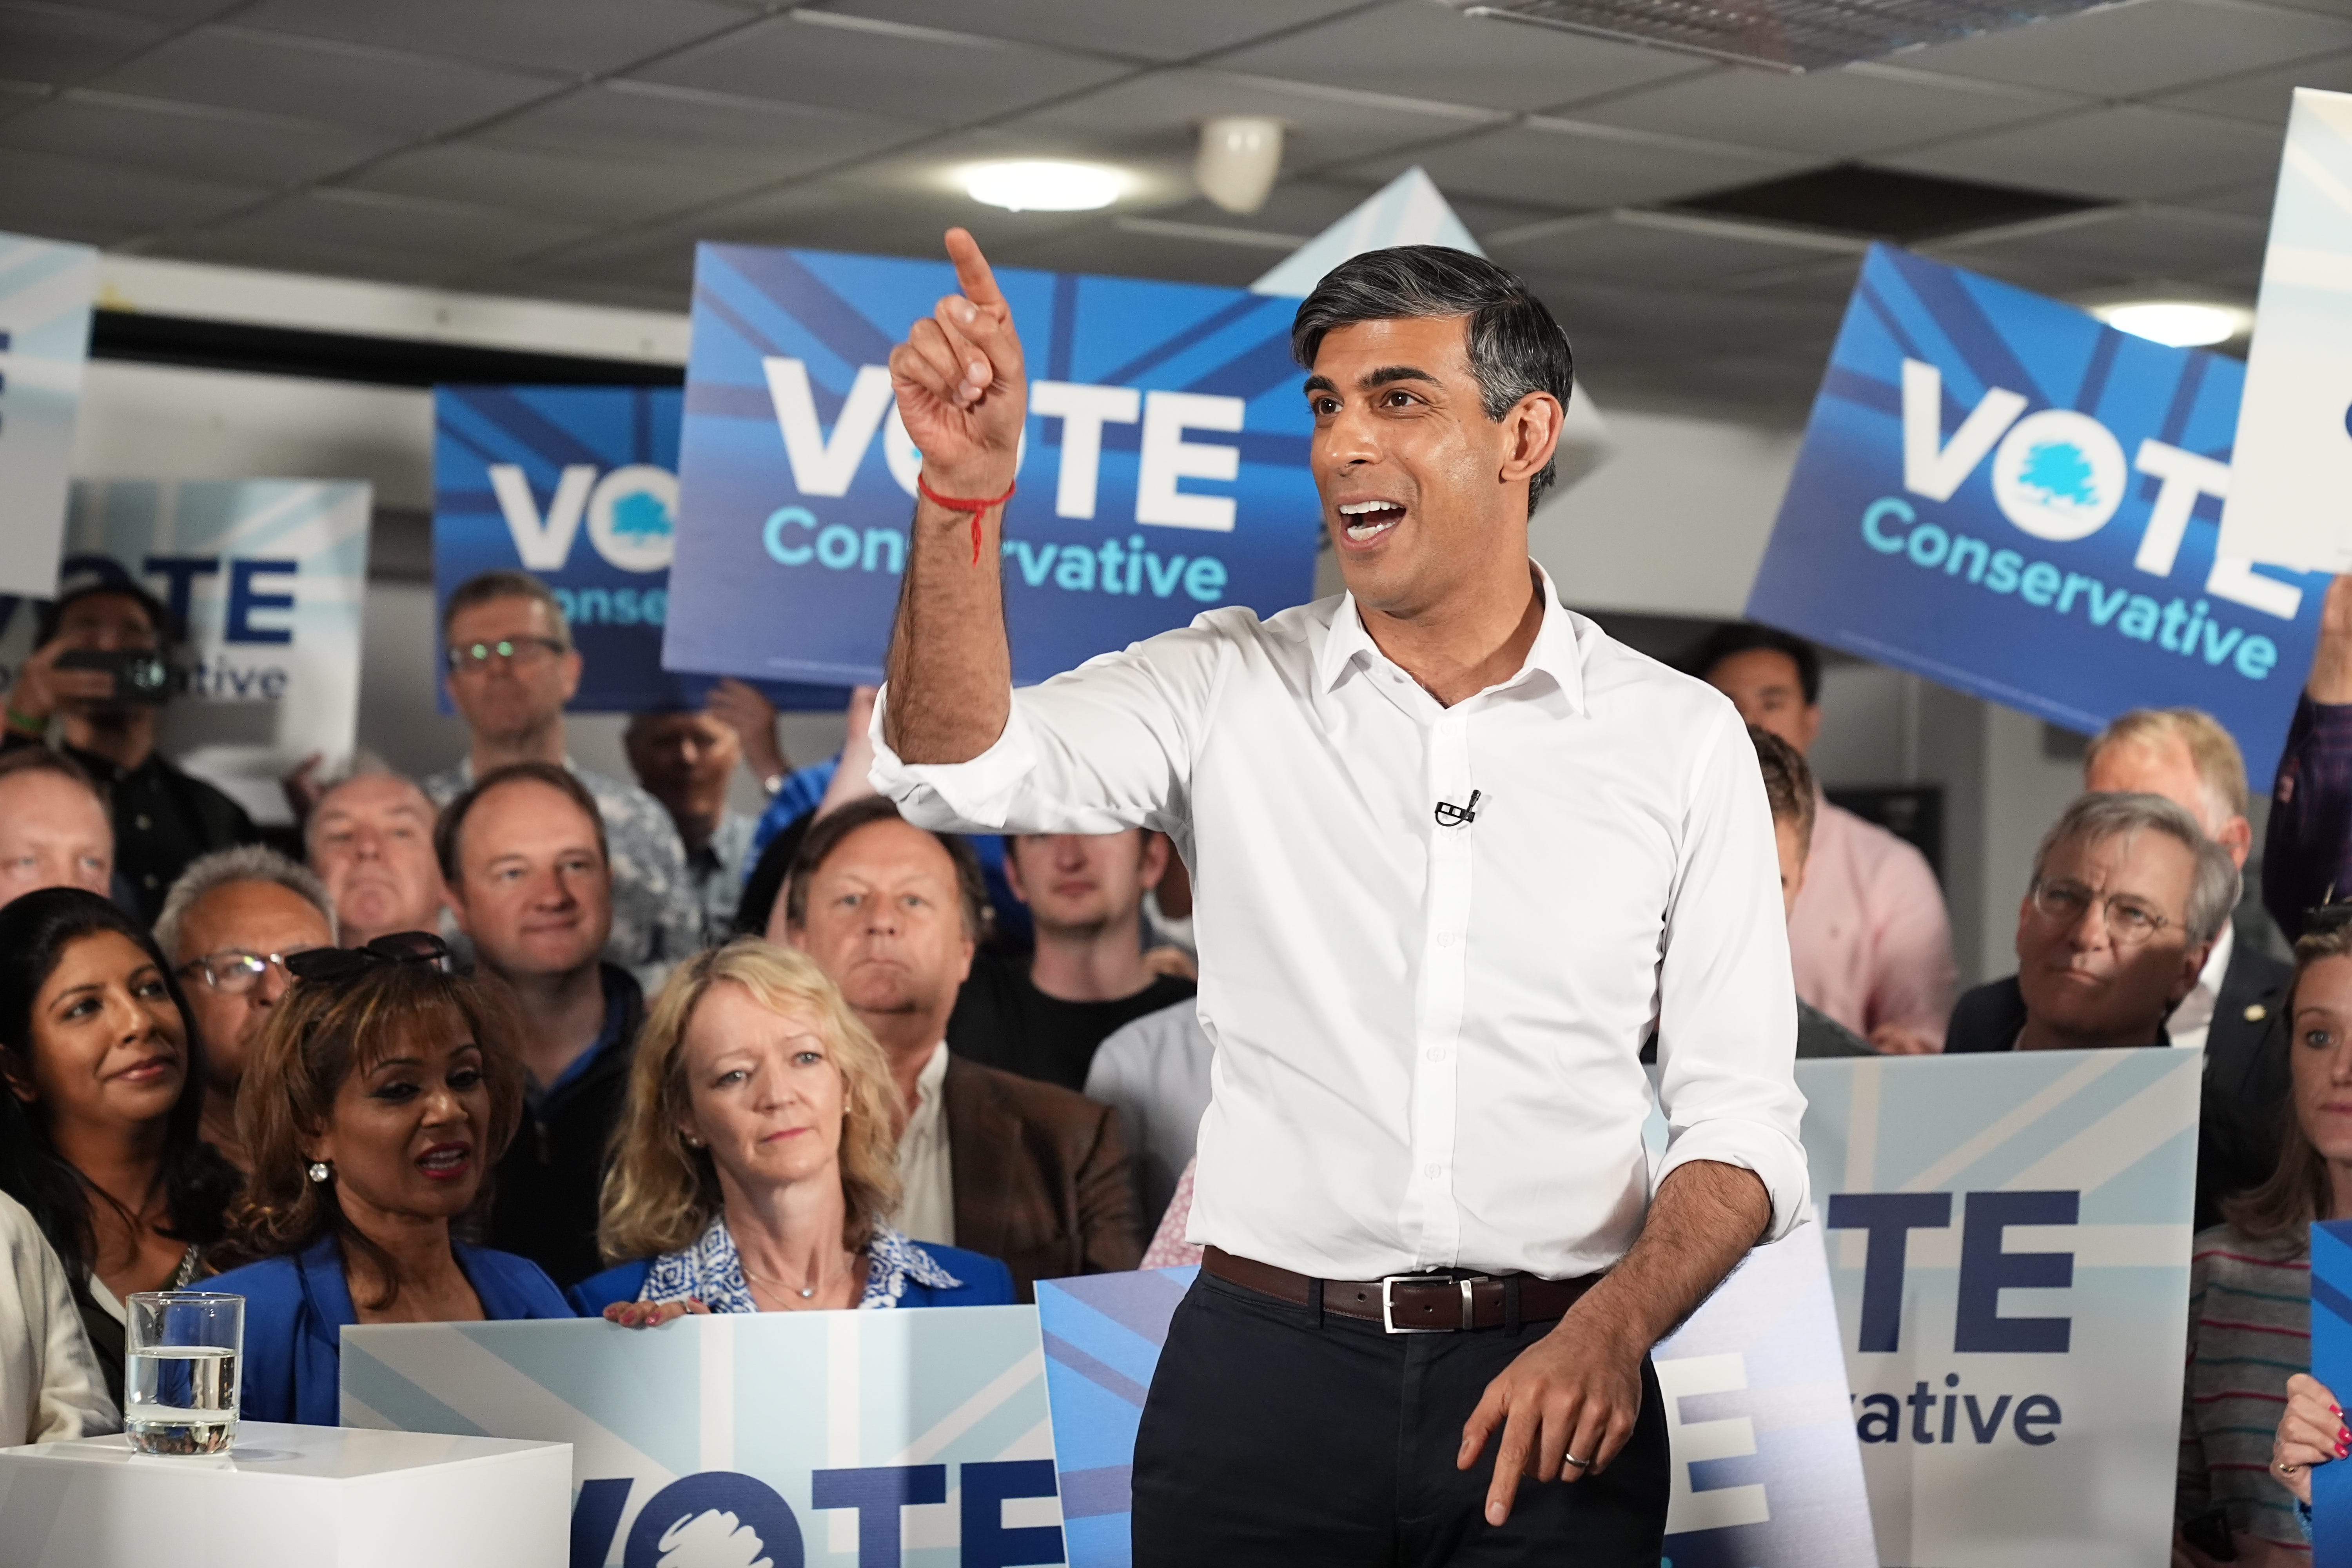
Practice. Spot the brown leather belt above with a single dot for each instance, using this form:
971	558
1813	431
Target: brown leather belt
1410	1303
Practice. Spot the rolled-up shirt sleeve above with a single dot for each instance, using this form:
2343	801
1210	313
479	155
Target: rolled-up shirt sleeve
1727	1003
1106	746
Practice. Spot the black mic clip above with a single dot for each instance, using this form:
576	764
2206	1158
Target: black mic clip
1452	816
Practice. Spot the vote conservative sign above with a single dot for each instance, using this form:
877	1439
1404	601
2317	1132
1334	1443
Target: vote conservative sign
1163	471
2003	494
578	486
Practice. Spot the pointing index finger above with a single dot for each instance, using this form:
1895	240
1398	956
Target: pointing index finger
973	272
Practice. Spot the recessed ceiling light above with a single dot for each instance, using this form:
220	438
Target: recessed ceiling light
2176	323
1044	185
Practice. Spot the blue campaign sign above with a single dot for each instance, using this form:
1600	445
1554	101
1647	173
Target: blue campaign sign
1164	469
2003	494
2331	1363
577	485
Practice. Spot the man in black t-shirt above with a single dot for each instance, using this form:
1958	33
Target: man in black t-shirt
1043	1014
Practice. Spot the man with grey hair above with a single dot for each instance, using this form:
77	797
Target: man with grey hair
370	839
2126	899
227	926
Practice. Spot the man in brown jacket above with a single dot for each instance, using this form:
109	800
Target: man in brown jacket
1026	1172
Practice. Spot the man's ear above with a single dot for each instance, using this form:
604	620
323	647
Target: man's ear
2192	963
457	903
1013	866
1531	429
2237	836
1155	850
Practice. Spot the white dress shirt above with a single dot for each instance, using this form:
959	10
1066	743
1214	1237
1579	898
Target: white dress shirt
2190	1022
1427	1037
925	1160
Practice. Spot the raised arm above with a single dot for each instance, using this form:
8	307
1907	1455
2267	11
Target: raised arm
962	394
2308	853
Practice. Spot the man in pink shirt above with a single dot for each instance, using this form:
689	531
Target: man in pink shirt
1869	939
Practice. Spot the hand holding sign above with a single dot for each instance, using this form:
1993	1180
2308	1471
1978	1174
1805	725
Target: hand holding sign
962	390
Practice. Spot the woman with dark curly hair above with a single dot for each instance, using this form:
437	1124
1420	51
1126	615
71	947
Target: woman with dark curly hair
98	1135
375	1104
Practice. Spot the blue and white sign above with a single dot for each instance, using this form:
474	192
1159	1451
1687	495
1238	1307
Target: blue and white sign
2009	1245
1766	1473
2003	494
46	289
577	485
1164	469
917	1437
2331	1363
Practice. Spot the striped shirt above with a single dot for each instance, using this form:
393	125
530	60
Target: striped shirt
2249	1331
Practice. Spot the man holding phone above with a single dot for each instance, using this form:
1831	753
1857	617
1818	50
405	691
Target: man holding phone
101	675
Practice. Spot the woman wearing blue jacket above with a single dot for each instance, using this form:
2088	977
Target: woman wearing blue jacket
377	1100
757	1159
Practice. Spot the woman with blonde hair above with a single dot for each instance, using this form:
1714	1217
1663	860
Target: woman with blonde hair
756	1165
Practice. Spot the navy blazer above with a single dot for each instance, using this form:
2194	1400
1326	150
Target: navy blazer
986	1283
297	1307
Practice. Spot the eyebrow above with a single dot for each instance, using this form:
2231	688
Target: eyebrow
1385	375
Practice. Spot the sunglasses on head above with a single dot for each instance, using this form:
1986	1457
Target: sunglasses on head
332	964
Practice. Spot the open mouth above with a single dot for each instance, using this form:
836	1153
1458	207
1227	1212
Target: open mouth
447	1161
1365	521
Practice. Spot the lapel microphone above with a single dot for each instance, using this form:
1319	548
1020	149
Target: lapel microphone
1452	816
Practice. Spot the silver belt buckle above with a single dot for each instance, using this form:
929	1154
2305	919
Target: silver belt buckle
1387	1303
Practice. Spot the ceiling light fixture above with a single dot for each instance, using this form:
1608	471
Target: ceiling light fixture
1240	156
2176	323
1044	185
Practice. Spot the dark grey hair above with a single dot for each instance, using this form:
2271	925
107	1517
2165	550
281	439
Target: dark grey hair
1516	347
2093	818
245	863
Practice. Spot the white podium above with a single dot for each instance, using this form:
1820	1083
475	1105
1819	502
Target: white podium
290	1496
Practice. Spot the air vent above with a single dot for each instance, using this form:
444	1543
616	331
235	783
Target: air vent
1882	204
1790	34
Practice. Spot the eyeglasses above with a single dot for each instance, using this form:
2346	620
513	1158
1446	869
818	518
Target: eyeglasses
234	971
2129	922
513	651
334	964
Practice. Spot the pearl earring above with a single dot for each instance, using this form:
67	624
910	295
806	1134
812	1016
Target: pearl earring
320	1171
692	1142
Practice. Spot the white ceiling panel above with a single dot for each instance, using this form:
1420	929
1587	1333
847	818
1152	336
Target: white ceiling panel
901	218
938	78
2125	244
2264	97
2124	51
638	122
366	222
1828	281
556	35
1163	111
339	84
1639	251
43	42
1419	49
1556	163
177	13
1136	31
1847	113
2128	153
600	190
103	204
302	251
1104	247
169	138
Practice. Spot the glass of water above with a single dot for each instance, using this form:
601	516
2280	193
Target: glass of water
180	1371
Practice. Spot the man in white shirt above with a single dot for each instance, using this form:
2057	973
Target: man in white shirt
1456	852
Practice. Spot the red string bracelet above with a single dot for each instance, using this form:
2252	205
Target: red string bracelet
974	507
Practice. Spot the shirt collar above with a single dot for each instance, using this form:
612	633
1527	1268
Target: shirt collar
1556	652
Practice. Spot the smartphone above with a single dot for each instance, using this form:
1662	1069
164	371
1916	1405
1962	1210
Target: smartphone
141	675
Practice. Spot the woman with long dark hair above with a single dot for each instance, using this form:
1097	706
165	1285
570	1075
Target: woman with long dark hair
100	1143
375	1103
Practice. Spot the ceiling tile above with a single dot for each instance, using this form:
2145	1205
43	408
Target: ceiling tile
45	42
1104	246
633	120
2125	153
1557	163
2265	96
557	35
2125	51
305	252
1423	50
1143	32
896	219
1636	252
2250	197
1828	281
177	13
1162	113
366	223
336	83
105	204
2126	246
1843	113
602	190
941	79
181	139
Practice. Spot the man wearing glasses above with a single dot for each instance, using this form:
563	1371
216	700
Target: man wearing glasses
509	667
228	925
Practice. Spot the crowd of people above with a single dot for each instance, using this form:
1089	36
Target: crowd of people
520	1039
